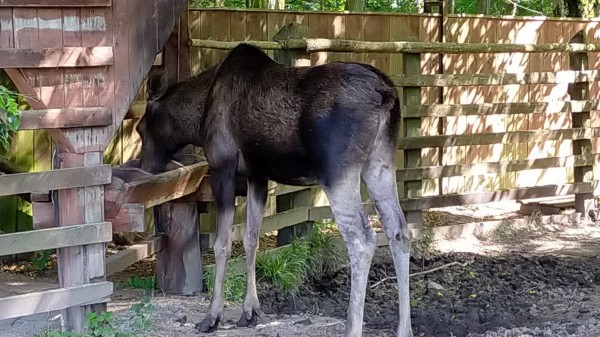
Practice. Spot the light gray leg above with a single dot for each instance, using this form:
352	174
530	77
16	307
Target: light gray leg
380	180
257	196
344	197
223	186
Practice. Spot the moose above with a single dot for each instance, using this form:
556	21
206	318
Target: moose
329	125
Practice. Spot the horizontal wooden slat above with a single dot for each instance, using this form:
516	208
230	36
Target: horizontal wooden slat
54	180
56	57
433	172
127	257
276	221
356	46
447	80
55	3
57	237
483	197
497	138
65	118
55	299
446	110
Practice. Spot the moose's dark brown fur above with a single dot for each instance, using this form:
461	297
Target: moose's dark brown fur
331	125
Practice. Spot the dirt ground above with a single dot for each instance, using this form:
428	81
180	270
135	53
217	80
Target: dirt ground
537	280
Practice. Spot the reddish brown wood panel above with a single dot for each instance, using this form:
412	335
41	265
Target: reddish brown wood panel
55	3
56	57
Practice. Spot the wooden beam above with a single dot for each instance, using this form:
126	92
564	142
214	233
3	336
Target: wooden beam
433	172
447	110
56	57
479	198
26	88
447	80
139	187
55	299
53	238
55	3
65	118
127	257
497	138
54	180
356	46
130	218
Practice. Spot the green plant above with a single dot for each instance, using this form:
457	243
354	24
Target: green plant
41	259
10	116
140	318
235	283
145	282
104	323
311	256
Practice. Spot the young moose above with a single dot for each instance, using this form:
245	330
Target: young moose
331	125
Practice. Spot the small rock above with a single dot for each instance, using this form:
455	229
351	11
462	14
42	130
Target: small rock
434	286
304	322
182	320
340	327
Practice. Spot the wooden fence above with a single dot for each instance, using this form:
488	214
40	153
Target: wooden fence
504	109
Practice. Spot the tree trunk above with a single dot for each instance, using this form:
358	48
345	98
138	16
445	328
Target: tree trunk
355	5
483	7
266	4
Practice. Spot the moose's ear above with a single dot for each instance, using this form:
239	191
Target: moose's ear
157	83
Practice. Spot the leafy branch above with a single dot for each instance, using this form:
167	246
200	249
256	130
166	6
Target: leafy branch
10	116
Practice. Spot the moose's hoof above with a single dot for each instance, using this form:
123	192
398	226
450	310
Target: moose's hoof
209	324
246	322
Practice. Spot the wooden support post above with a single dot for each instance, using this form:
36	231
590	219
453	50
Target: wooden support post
411	127
80	265
584	202
301	198
179	263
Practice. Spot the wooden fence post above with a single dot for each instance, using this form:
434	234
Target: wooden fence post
584	202
179	263
411	127
80	265
301	198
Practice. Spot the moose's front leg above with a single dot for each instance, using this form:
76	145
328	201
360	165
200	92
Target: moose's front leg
257	197
223	186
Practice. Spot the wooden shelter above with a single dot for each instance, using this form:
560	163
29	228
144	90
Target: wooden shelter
80	64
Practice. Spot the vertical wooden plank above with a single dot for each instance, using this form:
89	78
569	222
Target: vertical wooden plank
195	29
7	34
71	262
355	27
318	27
223	19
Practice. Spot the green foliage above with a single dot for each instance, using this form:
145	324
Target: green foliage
104	325
311	256
10	116
588	8
137	282
41	259
235	282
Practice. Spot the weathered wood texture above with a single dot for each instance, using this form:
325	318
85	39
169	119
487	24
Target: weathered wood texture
179	263
55	299
52	238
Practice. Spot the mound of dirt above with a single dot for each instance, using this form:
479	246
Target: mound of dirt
491	292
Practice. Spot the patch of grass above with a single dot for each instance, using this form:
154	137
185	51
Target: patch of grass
104	324
136	282
311	256
235	283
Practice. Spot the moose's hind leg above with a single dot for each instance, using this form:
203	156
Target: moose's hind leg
380	179
349	214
